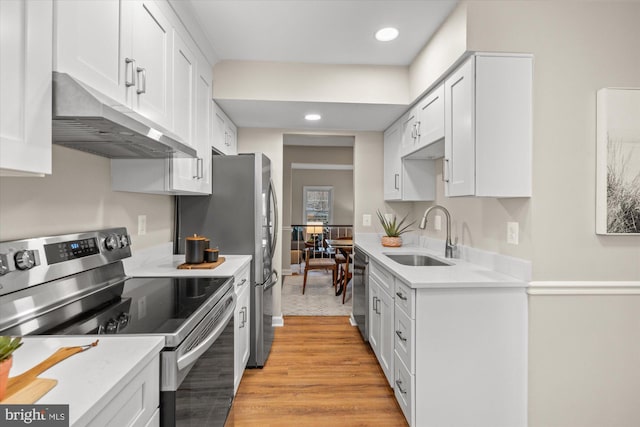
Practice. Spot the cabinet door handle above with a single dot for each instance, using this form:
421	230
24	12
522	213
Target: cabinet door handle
417	130
401	296
375	304
142	71
242	283
445	170
399	384
129	64
197	175
200	168
246	315
399	334
396	178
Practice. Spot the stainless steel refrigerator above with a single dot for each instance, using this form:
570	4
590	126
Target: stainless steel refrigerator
240	217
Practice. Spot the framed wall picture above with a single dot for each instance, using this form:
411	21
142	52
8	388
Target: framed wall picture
618	161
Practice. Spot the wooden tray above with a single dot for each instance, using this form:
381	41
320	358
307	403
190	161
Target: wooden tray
31	392
203	266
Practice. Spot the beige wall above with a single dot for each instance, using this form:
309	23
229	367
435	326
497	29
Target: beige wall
76	197
277	81
340	181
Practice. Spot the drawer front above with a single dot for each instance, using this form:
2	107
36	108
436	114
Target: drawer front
241	280
405	298
404	389
404	338
385	278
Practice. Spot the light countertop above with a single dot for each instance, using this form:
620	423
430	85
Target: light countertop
168	266
87	381
461	274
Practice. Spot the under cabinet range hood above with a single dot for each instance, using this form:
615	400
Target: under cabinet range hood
86	120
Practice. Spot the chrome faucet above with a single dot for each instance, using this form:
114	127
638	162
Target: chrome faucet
449	247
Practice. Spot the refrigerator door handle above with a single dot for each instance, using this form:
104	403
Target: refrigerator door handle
274	241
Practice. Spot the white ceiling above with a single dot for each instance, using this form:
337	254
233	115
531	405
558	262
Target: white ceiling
317	31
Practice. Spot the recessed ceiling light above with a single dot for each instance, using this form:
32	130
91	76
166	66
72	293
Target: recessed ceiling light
387	34
313	117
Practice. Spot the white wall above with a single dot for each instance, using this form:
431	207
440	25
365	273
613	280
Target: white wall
76	197
277	81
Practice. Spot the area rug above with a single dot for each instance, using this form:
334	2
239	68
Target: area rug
319	297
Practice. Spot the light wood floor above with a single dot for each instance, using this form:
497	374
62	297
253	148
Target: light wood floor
319	373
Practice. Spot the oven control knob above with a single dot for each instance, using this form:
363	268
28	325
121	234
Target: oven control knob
124	241
111	242
112	327
25	260
123	321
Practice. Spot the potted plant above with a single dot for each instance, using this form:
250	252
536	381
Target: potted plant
393	230
7	347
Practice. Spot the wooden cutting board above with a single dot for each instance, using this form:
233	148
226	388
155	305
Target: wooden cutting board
31	392
203	266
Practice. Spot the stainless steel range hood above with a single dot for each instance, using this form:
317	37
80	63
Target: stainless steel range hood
86	120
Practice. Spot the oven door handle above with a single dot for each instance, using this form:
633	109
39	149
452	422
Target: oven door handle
189	358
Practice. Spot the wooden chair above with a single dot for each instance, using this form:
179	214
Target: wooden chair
319	264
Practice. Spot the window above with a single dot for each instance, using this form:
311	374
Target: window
317	204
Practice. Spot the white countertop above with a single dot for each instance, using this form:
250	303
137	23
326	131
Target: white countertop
168	266
461	274
87	381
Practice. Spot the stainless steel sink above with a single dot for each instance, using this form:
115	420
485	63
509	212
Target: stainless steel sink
417	260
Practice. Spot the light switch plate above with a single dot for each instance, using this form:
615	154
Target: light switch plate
142	225
366	220
437	223
512	233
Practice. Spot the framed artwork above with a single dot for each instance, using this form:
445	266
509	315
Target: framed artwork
618	161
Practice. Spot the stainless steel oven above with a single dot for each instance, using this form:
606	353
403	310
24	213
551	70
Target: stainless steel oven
75	285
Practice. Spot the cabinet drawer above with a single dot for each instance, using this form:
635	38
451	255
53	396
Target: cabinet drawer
385	278
241	280
404	338
404	389
405	298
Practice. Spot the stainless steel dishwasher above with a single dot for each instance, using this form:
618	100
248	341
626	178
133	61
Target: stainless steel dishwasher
361	292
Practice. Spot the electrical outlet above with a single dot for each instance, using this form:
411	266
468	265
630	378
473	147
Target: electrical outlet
437	222
512	233
366	220
142	225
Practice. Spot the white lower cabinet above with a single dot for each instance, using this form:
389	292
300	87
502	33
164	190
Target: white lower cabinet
242	324
137	403
381	326
454	356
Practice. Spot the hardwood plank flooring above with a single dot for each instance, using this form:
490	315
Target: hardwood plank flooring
319	373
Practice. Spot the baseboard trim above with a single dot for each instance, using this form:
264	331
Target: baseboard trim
584	288
277	321
352	320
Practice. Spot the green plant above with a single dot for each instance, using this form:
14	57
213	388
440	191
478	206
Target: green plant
392	228
8	346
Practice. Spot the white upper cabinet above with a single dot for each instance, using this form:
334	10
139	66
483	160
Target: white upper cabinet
488	127
121	48
424	123
25	86
224	132
393	162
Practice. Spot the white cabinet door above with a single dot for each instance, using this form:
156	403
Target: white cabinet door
224	132
93	44
381	327
409	131
459	161
242	334
203	125
231	133
25	87
430	126
393	162
151	49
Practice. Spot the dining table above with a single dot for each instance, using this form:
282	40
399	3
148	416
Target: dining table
345	246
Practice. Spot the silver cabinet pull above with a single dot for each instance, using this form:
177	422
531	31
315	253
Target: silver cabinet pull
375	305
242	283
445	170
143	71
401	296
243	312
200	167
399	384
197	175
417	130
127	63
397	181
399	334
